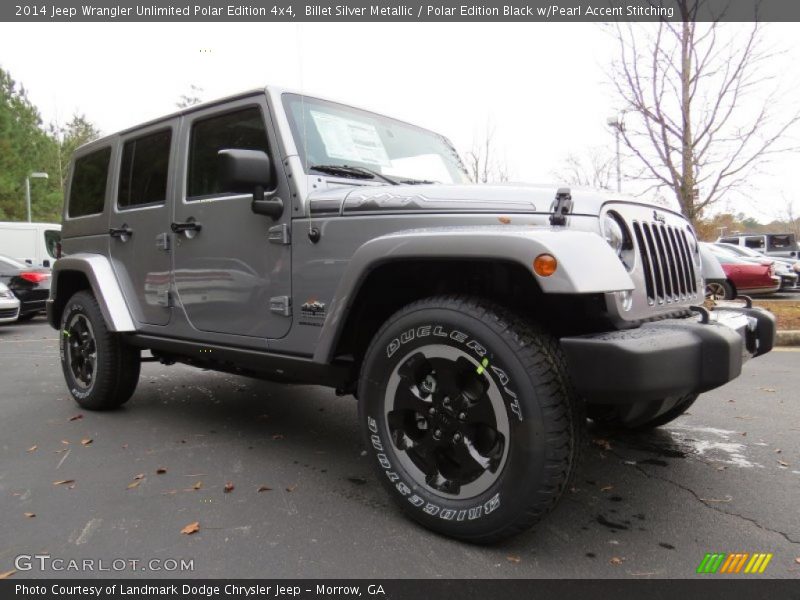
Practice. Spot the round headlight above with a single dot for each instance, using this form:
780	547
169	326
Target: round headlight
612	232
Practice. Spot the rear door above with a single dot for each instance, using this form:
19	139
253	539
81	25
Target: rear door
232	270
140	220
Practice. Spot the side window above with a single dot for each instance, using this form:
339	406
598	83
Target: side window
755	242
51	240
243	129
88	190
781	242
144	169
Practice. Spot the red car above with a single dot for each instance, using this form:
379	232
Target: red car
750	278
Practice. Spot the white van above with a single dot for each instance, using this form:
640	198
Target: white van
31	243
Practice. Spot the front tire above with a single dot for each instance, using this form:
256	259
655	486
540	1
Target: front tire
469	417
100	370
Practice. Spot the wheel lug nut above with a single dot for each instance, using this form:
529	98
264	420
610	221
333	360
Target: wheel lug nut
456	438
437	434
432	410
462	416
446	401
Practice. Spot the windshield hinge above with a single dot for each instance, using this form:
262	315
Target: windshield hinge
280	234
281	305
561	207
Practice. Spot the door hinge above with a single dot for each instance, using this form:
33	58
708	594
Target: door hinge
281	305
280	234
162	242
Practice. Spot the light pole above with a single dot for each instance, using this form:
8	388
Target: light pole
618	125
36	175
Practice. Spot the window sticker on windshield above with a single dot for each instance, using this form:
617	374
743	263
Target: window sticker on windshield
347	139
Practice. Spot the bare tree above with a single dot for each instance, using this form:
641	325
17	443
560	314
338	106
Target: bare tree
790	217
191	98
700	103
595	168
482	164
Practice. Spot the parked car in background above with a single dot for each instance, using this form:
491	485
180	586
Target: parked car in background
9	305
30	284
787	269
35	244
771	244
718	286
748	277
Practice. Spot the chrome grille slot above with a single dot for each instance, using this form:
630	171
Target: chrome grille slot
667	264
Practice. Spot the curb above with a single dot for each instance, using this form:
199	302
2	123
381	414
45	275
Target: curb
787	338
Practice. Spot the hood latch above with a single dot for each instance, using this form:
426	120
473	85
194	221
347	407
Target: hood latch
561	206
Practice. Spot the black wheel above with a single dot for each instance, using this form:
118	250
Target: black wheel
101	371
719	290
470	417
640	418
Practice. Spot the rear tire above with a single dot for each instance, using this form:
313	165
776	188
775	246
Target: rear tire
720	290
100	370
470	417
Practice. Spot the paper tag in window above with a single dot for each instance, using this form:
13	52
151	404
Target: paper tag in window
347	139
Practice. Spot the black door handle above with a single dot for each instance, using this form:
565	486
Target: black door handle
121	232
186	226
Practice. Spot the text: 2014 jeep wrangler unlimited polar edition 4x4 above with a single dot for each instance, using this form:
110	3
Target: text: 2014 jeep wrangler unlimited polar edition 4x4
290	238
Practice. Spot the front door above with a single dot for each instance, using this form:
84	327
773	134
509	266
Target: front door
232	267
140	220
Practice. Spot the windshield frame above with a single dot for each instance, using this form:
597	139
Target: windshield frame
458	173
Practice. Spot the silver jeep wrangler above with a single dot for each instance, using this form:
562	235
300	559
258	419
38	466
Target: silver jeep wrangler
294	239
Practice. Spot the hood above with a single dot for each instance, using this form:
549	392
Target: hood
512	198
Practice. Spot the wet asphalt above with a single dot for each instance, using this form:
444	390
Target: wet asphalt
723	478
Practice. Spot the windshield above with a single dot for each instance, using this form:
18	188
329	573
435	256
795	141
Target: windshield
335	135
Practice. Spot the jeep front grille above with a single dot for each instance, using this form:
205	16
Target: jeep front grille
666	261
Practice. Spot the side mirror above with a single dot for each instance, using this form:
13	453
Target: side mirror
249	171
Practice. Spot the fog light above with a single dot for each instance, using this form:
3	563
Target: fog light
545	265
625	299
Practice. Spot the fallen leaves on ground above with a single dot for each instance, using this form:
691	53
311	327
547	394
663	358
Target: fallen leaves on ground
86	441
7	574
277	436
797	560
606	488
65	442
228	488
134	484
33	448
264	488
197	485
601	443
30	515
76	417
160	471
770	390
783	463
291	488
63	482
725	499
191	528
616	561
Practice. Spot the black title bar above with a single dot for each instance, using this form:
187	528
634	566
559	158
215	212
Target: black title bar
399	10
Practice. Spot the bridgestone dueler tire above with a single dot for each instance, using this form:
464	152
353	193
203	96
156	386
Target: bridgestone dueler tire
117	364
545	418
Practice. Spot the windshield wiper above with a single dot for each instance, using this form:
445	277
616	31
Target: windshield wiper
354	172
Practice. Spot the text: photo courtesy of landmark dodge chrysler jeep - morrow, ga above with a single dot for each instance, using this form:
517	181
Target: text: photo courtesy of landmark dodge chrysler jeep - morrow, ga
290	238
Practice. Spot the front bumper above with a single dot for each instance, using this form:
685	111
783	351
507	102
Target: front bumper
667	358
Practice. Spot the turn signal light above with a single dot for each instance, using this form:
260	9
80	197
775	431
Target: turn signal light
545	265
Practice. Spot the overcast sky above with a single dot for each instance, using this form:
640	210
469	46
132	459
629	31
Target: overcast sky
542	85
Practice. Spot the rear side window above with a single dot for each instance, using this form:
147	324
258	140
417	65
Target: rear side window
243	129
781	242
88	190
51	240
144	169
754	242
729	241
